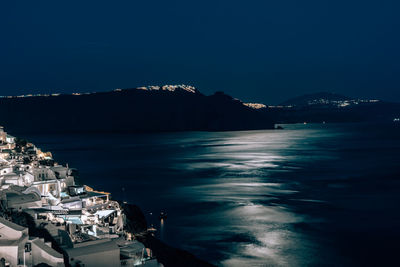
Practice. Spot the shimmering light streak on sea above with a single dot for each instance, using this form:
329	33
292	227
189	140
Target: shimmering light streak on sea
309	195
162	229
242	185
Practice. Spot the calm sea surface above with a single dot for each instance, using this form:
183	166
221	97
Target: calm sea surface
309	195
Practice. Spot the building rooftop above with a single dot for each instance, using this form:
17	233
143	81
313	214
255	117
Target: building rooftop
11	225
90	247
104	213
49	250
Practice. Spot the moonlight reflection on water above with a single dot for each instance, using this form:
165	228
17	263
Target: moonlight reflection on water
309	195
243	183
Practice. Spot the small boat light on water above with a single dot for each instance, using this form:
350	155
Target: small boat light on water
163	215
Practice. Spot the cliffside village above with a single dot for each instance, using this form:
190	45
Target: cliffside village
85	225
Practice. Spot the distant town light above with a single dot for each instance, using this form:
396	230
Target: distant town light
255	105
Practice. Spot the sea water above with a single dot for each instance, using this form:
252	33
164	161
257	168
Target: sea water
308	195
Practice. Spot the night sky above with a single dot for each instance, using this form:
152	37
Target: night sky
259	51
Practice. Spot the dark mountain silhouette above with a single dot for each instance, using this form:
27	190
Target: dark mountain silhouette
330	107
129	110
304	100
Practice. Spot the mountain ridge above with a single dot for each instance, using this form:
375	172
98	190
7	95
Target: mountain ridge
130	110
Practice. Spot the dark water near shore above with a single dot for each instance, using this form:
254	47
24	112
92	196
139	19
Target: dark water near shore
309	195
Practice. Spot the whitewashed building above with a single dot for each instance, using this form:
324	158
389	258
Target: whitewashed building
102	252
17	249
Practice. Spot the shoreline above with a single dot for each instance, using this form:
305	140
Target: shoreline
52	220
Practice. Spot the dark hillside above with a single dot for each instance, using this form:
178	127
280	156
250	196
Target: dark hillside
131	110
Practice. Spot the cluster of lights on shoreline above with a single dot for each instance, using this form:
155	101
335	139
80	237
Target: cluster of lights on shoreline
255	105
315	102
192	89
340	103
170	88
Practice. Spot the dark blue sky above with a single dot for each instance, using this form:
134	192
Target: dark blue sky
262	51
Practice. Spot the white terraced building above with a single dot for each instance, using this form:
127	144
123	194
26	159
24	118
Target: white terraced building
86	224
17	249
